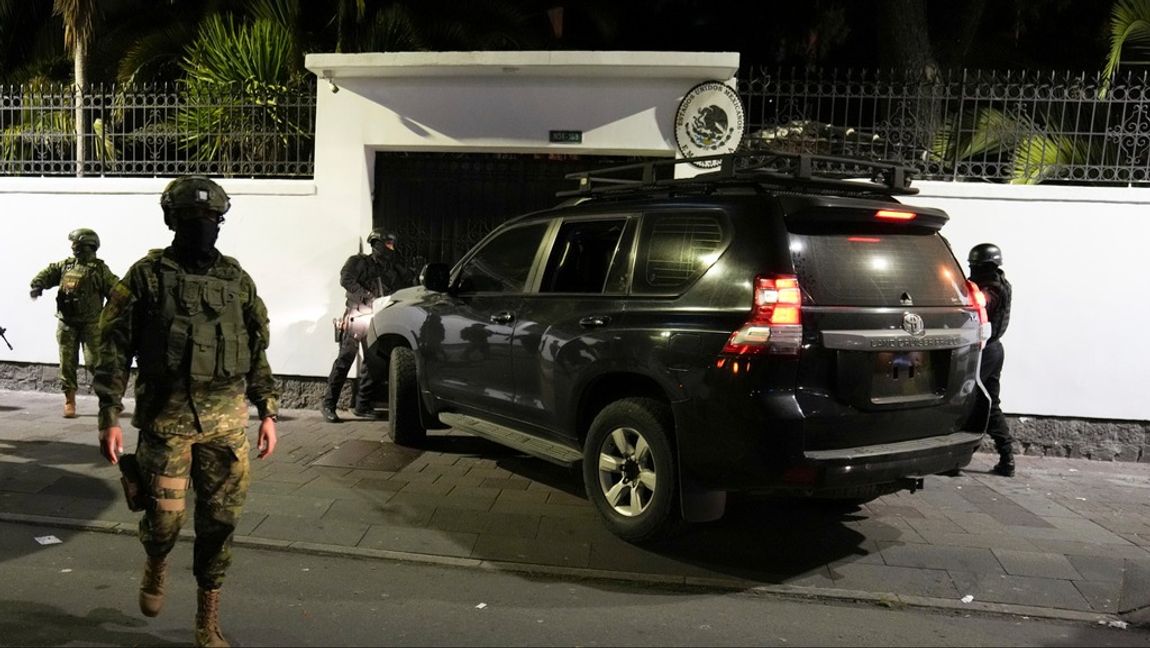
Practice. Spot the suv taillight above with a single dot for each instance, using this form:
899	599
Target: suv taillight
979	300
775	325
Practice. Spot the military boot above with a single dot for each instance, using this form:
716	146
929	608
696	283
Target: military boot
208	631
1005	465
69	404
152	586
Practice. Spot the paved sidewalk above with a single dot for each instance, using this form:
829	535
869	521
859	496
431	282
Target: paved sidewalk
1065	538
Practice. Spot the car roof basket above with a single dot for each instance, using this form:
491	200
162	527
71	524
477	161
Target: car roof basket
752	168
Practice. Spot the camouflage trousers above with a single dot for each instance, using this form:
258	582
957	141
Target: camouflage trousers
217	466
70	337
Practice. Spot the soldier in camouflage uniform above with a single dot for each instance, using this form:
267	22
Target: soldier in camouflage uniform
198	330
85	282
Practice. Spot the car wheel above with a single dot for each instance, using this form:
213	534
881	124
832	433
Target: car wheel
404	426
629	470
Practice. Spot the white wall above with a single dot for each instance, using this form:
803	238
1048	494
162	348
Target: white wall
279	231
1074	254
1076	257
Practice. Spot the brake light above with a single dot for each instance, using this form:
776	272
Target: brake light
978	299
891	214
775	324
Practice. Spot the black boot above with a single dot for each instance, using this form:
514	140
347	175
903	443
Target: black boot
1005	465
329	414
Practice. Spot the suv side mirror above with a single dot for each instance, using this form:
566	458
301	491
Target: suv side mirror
435	277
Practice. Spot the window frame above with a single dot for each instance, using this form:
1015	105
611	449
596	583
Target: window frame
532	273
624	250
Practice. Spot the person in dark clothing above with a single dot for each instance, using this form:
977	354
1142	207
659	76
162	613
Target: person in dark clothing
985	262
365	277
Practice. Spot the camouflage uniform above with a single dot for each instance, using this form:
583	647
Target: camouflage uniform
198	339
84	285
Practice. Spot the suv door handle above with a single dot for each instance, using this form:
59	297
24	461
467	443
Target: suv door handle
505	317
595	321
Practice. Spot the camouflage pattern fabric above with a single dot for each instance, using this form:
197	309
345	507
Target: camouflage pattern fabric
167	401
70	338
190	405
84	285
221	479
91	281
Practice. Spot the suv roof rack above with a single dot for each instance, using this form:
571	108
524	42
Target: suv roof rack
783	170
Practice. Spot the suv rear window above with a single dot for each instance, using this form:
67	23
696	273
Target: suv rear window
877	268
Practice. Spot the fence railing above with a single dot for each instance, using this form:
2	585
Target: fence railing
1020	127
158	130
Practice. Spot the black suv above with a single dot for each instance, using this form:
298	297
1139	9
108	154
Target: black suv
777	325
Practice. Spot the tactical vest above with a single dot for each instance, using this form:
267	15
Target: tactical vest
196	328
78	300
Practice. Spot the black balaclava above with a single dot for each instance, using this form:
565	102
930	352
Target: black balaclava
983	272
380	251
83	253
195	241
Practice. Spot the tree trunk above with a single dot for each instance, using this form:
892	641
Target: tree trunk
905	38
81	84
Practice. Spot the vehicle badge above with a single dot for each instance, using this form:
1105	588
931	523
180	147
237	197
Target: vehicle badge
905	299
913	324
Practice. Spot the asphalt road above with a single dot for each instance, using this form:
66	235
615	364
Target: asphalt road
82	591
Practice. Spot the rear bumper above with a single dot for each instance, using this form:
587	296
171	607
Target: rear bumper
889	462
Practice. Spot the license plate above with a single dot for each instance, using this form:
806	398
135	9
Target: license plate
902	375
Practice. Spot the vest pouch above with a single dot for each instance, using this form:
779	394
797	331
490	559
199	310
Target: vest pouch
69	299
204	352
177	344
236	352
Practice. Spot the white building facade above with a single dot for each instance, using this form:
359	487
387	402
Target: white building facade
1074	254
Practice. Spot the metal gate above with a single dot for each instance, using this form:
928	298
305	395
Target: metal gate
441	204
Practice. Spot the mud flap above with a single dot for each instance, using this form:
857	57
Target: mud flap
701	504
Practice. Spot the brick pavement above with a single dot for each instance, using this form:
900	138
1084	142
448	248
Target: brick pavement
1066	538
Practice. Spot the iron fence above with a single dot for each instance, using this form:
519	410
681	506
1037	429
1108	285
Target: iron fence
1018	127
158	130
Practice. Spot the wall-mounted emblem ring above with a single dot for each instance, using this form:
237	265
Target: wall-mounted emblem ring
710	121
913	324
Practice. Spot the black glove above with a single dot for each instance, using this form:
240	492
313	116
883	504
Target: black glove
36	292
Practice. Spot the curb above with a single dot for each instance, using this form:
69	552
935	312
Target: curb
733	585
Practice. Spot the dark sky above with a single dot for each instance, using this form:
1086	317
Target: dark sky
1044	34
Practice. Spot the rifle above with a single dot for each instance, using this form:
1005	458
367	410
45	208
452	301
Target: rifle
2	332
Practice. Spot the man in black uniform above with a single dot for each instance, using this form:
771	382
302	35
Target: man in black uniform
365	277
986	271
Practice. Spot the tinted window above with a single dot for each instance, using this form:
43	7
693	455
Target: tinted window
503	263
675	249
877	269
583	255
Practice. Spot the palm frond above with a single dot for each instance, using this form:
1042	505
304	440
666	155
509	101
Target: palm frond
1129	27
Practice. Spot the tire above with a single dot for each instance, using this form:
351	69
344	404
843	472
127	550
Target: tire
627	447
404	426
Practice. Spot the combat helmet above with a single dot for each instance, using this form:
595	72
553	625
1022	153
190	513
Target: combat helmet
381	234
985	253
193	191
85	236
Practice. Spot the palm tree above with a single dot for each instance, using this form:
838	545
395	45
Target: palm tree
1129	28
79	25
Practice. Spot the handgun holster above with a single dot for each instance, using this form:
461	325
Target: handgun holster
133	483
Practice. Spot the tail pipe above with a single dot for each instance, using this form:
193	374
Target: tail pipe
911	484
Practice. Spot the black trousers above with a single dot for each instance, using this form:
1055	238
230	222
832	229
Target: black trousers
365	395
999	430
